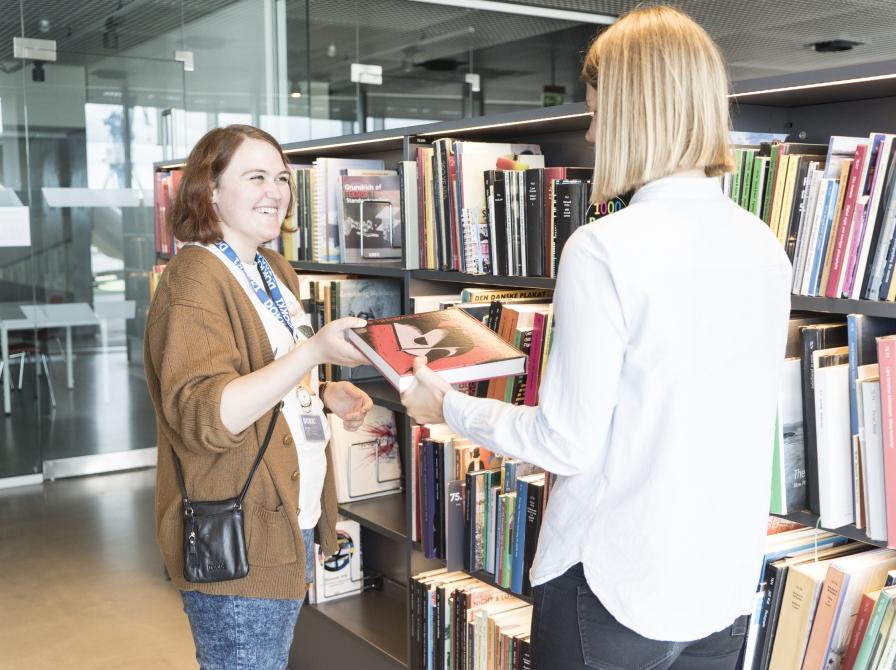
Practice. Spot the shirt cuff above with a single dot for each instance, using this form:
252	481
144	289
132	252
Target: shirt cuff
454	406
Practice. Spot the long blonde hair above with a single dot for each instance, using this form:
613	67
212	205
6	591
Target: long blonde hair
661	103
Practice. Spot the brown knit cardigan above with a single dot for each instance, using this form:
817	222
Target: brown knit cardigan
202	332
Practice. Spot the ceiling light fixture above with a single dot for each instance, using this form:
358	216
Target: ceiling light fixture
821	84
527	10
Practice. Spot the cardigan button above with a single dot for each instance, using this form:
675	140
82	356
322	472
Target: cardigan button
295	476
287	440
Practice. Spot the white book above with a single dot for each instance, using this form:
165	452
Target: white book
807	223
366	462
876	507
823	216
410	214
833	439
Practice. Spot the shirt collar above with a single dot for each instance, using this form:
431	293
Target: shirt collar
679	188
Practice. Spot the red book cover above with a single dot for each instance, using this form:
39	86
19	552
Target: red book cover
421	207
835	282
858	629
532	365
852	258
456	233
457	347
886	357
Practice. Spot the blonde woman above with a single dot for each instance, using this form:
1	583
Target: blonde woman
658	405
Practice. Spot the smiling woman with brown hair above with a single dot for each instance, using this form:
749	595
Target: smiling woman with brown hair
657	407
226	341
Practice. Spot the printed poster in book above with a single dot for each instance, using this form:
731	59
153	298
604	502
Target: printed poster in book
371	217
366	462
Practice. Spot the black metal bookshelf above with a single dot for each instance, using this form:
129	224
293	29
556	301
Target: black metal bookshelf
483	280
382	393
387	515
378	618
377	621
843	306
384	269
489	579
809	519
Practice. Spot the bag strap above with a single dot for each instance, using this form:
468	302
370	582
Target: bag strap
264	446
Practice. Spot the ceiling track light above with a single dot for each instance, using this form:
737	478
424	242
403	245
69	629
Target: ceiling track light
527	10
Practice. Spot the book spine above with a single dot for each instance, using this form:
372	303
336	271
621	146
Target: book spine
859	626
519	536
810	342
534	500
823	623
886	357
837	276
858	233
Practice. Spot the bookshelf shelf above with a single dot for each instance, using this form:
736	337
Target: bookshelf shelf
386	515
378	618
853	533
483	280
382	393
390	269
489	579
843	306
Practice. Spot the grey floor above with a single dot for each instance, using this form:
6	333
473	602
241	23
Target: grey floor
108	410
82	584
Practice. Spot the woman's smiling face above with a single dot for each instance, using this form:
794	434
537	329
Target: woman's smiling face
252	194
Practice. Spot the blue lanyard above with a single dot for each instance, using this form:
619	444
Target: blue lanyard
273	301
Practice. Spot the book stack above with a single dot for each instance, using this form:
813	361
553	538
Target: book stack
835	441
328	297
459	622
164	186
345	210
833	207
475	510
154	276
493	208
521	317
815	603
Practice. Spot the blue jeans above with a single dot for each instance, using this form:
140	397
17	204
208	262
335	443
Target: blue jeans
572	630
237	633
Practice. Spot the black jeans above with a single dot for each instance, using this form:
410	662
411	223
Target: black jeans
571	630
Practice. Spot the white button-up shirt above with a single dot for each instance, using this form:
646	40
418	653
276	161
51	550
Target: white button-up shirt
657	408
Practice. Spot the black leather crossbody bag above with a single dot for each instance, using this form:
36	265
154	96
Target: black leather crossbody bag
214	541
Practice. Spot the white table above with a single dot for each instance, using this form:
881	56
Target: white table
31	317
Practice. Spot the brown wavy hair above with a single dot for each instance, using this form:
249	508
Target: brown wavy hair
192	217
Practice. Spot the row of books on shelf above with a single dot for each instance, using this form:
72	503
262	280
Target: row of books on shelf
164	186
832	206
835	446
474	509
493	208
461	623
821	603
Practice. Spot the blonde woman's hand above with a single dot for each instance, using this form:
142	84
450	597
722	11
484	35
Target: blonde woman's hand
423	400
330	346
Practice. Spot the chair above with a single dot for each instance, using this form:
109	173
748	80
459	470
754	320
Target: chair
21	350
